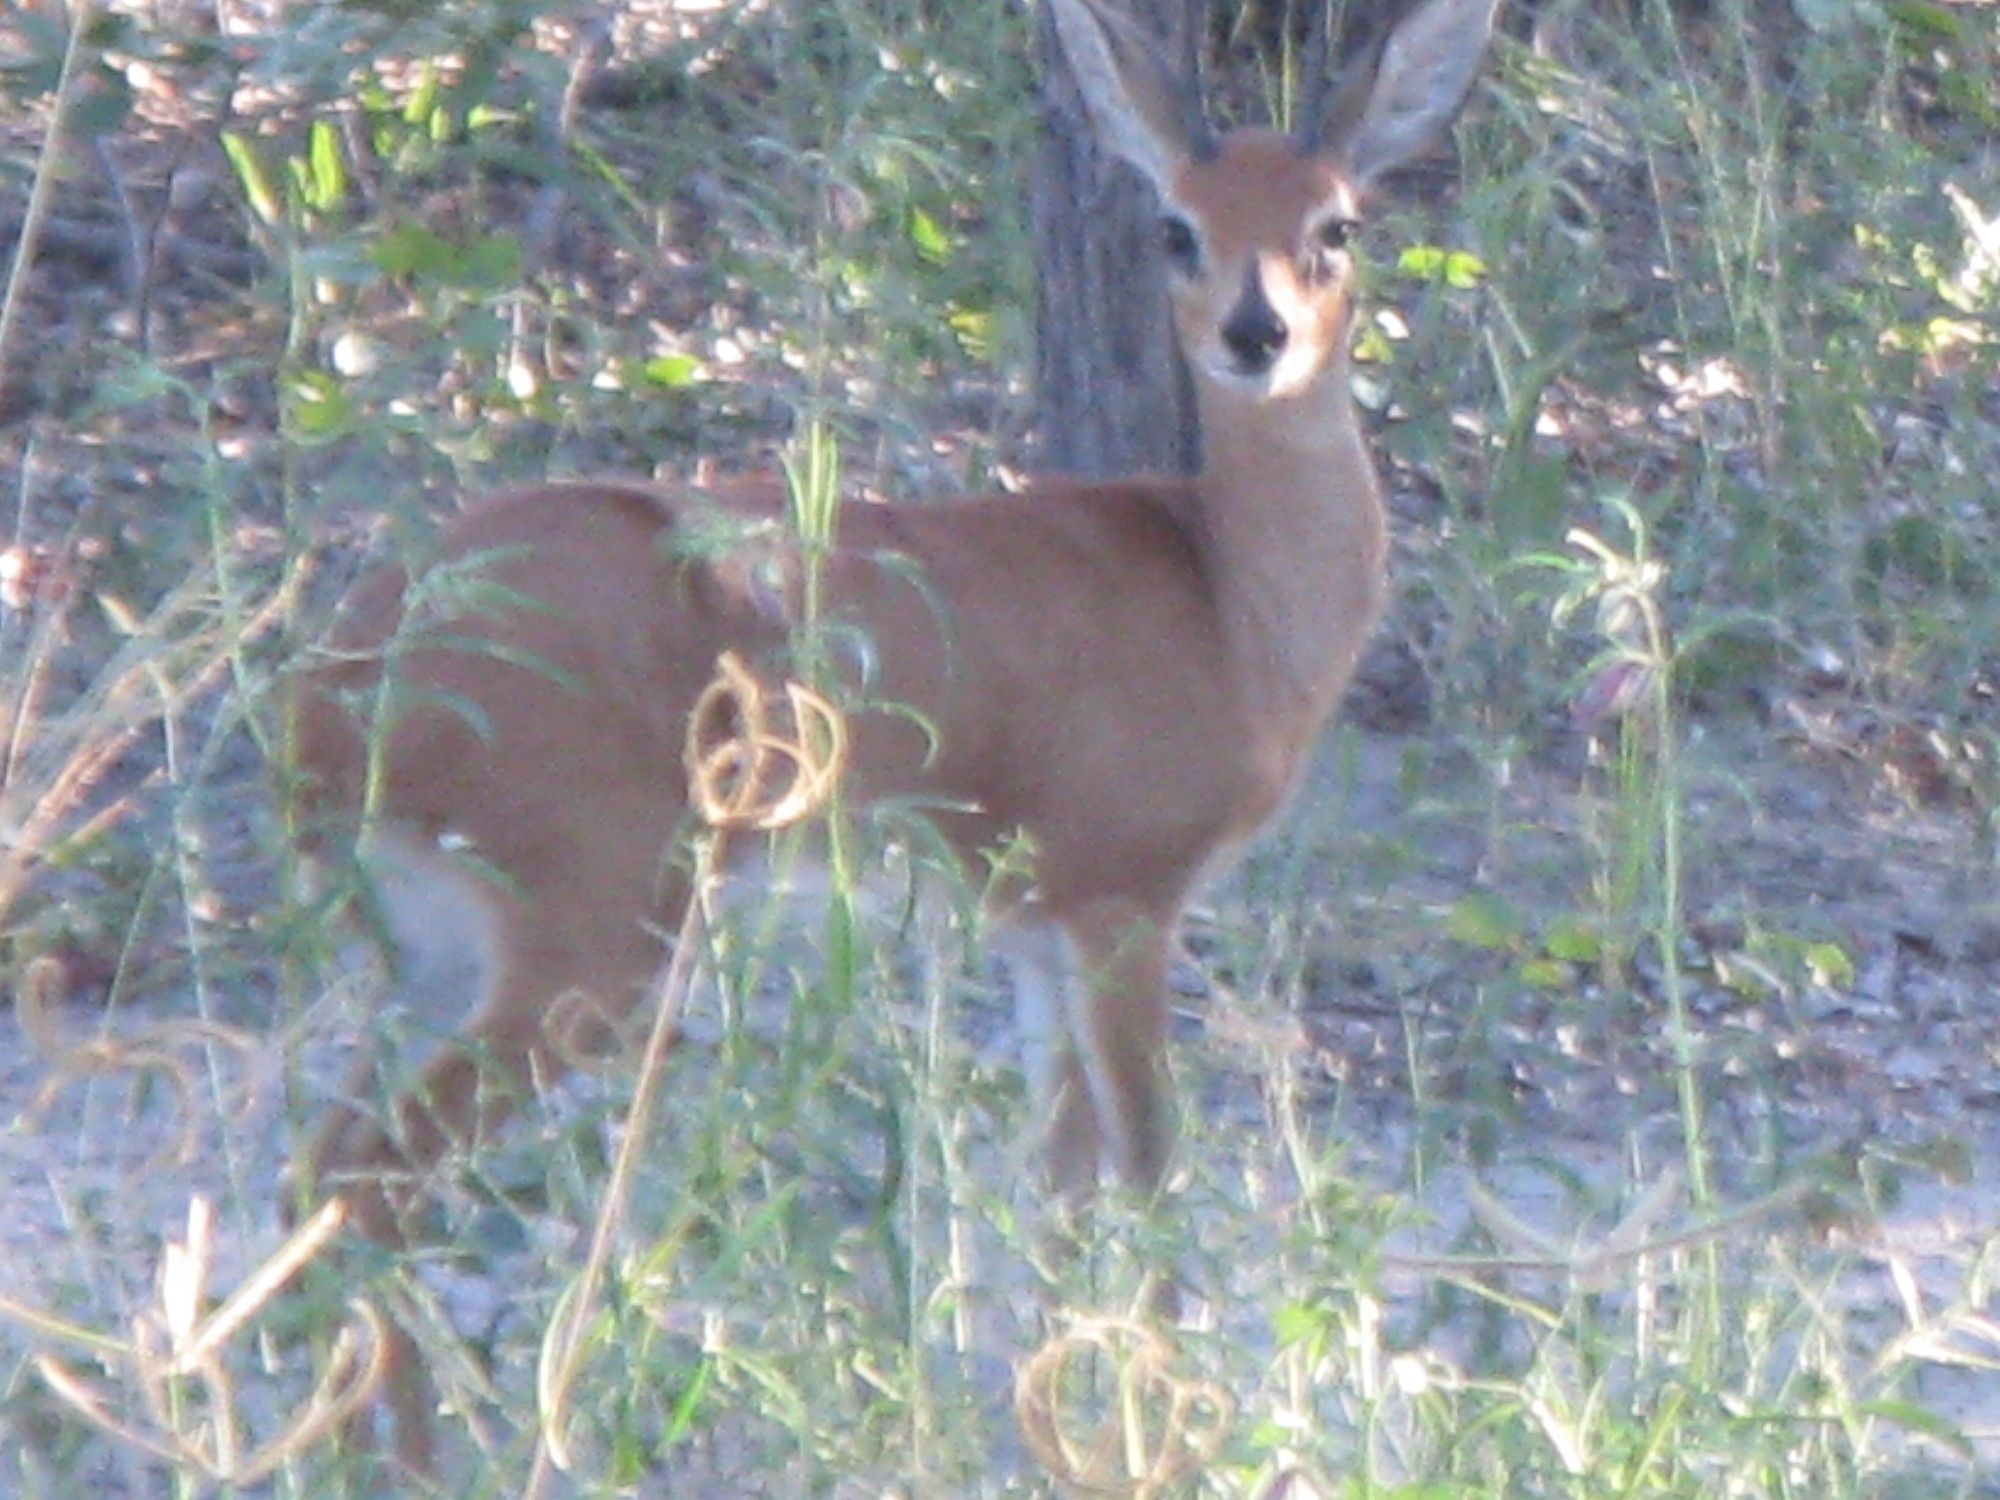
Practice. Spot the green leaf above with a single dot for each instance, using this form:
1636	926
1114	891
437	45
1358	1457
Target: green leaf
318	406
411	250
932	244
1458	269
266	202
490	263
1484	920
1372	346
1829	966
1575	942
1296	1322
423	100
671	370
326	179
680	1420
1926	18
1918	1419
1545	974
973	328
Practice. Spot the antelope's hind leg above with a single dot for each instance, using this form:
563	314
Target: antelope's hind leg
550	971
549	974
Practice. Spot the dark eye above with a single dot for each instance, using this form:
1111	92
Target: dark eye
1182	244
1331	238
1335	234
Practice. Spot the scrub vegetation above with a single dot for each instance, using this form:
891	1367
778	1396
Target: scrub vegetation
1589	1086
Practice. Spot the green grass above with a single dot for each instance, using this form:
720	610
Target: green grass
1540	1136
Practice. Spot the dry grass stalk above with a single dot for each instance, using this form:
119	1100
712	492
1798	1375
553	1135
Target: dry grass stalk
749	770
136	690
173	1369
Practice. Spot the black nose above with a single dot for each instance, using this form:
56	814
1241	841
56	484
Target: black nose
1255	334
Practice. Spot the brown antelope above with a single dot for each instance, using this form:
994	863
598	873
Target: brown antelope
1131	674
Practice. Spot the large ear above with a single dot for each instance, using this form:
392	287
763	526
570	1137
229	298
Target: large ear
1142	108
1424	72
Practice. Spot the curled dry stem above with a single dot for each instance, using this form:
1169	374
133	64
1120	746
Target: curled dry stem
753	769
1135	1437
155	1050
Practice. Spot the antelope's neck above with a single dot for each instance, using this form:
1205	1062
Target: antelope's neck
1297	541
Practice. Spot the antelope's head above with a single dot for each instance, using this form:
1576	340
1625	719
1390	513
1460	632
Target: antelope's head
1258	226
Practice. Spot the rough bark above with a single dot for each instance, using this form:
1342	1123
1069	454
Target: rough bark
1112	397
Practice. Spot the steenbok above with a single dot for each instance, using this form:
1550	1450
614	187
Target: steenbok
1129	674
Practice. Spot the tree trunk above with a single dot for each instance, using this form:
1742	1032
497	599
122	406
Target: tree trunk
1111	395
